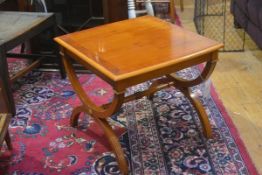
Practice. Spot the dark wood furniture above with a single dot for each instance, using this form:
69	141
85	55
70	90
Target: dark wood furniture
16	28
4	134
9	5
133	51
114	10
4	117
4	101
89	13
111	10
73	13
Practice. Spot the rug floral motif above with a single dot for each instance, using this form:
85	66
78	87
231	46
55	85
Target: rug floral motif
162	136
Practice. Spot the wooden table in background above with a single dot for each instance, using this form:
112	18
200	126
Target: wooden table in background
16	28
133	51
4	134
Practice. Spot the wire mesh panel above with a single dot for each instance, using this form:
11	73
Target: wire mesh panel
214	20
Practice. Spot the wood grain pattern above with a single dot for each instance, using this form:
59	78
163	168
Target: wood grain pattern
133	47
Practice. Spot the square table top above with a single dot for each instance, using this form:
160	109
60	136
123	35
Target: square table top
132	47
15	24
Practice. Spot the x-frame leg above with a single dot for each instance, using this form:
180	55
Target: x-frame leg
101	113
184	86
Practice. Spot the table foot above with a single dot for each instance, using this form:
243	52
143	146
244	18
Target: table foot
109	135
200	111
115	145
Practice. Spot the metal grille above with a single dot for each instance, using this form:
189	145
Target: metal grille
214	20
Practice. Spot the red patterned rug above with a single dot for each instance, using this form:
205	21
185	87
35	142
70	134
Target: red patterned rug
162	136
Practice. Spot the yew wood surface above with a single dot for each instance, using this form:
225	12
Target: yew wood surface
130	52
134	47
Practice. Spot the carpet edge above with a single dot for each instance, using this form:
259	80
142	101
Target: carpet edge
235	133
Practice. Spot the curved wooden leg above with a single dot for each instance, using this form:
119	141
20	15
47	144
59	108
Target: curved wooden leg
184	86
75	115
115	145
110	135
98	113
200	111
88	105
156	85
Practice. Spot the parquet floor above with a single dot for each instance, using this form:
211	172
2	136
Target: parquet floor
238	82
